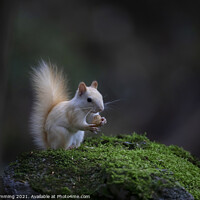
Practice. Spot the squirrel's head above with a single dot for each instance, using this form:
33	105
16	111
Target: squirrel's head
90	98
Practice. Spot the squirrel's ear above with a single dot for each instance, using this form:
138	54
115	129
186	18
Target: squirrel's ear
82	88
94	84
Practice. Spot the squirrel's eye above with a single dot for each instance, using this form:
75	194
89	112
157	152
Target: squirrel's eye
89	99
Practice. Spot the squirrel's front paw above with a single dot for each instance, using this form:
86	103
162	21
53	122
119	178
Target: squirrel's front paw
93	128
103	121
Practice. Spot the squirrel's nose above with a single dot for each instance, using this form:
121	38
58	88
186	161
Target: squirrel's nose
101	108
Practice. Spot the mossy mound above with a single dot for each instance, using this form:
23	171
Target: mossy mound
121	167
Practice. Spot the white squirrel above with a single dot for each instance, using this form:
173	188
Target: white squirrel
56	121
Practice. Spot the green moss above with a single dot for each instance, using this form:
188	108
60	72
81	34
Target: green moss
111	166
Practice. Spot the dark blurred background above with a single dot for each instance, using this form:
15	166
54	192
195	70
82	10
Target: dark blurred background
144	53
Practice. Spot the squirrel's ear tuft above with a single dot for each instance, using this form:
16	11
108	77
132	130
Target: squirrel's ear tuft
94	84
82	88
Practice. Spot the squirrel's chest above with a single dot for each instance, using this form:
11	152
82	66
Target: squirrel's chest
72	130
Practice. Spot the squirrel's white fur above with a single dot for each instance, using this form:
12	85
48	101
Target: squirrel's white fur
56	121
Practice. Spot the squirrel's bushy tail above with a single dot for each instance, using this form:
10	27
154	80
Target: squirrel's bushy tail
50	89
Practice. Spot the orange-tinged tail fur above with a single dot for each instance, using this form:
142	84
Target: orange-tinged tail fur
50	89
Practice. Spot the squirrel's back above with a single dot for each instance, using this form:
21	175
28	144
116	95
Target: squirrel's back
50	89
